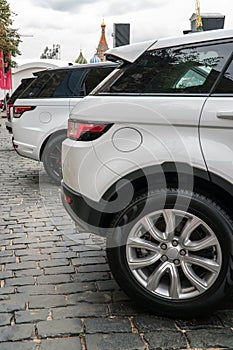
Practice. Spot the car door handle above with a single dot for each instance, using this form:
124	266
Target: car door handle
225	115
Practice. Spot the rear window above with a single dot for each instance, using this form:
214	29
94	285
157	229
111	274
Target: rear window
58	84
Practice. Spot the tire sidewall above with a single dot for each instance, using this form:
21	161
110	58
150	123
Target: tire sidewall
52	142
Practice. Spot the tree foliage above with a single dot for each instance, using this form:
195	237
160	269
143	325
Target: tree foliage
9	37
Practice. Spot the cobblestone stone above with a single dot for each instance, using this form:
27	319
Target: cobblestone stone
91	276
54	263
107	325
54	279
59	269
59	328
81	310
12	303
5	319
216	338
23	345
21	266
37	290
90	297
29	272
149	323
17	332
166	340
73	343
41	301
73	288
20	281
31	316
114	342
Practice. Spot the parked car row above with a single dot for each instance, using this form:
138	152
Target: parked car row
148	163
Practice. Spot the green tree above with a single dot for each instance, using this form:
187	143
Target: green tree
9	37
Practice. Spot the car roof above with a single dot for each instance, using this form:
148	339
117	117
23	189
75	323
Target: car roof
79	66
131	52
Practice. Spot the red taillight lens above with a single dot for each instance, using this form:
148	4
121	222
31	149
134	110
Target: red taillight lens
68	199
8	110
85	132
19	110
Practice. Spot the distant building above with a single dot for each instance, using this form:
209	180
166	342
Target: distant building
81	59
210	21
103	46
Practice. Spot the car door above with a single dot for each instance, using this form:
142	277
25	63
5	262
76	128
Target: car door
216	128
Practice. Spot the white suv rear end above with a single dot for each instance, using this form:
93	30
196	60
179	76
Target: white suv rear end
41	112
149	163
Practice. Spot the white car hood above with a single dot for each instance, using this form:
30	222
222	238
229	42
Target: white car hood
130	52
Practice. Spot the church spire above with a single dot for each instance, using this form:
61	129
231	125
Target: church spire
103	46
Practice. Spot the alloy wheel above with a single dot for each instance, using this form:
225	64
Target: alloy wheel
173	254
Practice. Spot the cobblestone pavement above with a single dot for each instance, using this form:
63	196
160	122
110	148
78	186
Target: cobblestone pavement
56	288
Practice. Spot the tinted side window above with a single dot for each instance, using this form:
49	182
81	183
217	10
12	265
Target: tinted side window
24	84
44	85
174	70
225	86
59	83
95	76
72	85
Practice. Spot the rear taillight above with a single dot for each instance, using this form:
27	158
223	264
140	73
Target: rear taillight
68	199
8	107
86	131
19	110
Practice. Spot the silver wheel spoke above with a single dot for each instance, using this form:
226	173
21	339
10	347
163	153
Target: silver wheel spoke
155	277
196	281
139	263
201	244
190	226
208	264
137	242
155	233
169	218
175	287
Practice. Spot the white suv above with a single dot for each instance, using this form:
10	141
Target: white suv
149	164
41	111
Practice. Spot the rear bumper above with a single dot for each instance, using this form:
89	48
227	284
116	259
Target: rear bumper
86	213
25	150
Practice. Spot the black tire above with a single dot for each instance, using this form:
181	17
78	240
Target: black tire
51	157
212	239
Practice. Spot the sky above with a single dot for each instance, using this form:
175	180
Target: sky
76	24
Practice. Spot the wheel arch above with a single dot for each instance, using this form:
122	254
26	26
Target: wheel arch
58	132
175	174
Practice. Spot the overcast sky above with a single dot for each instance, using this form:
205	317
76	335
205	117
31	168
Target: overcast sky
75	24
